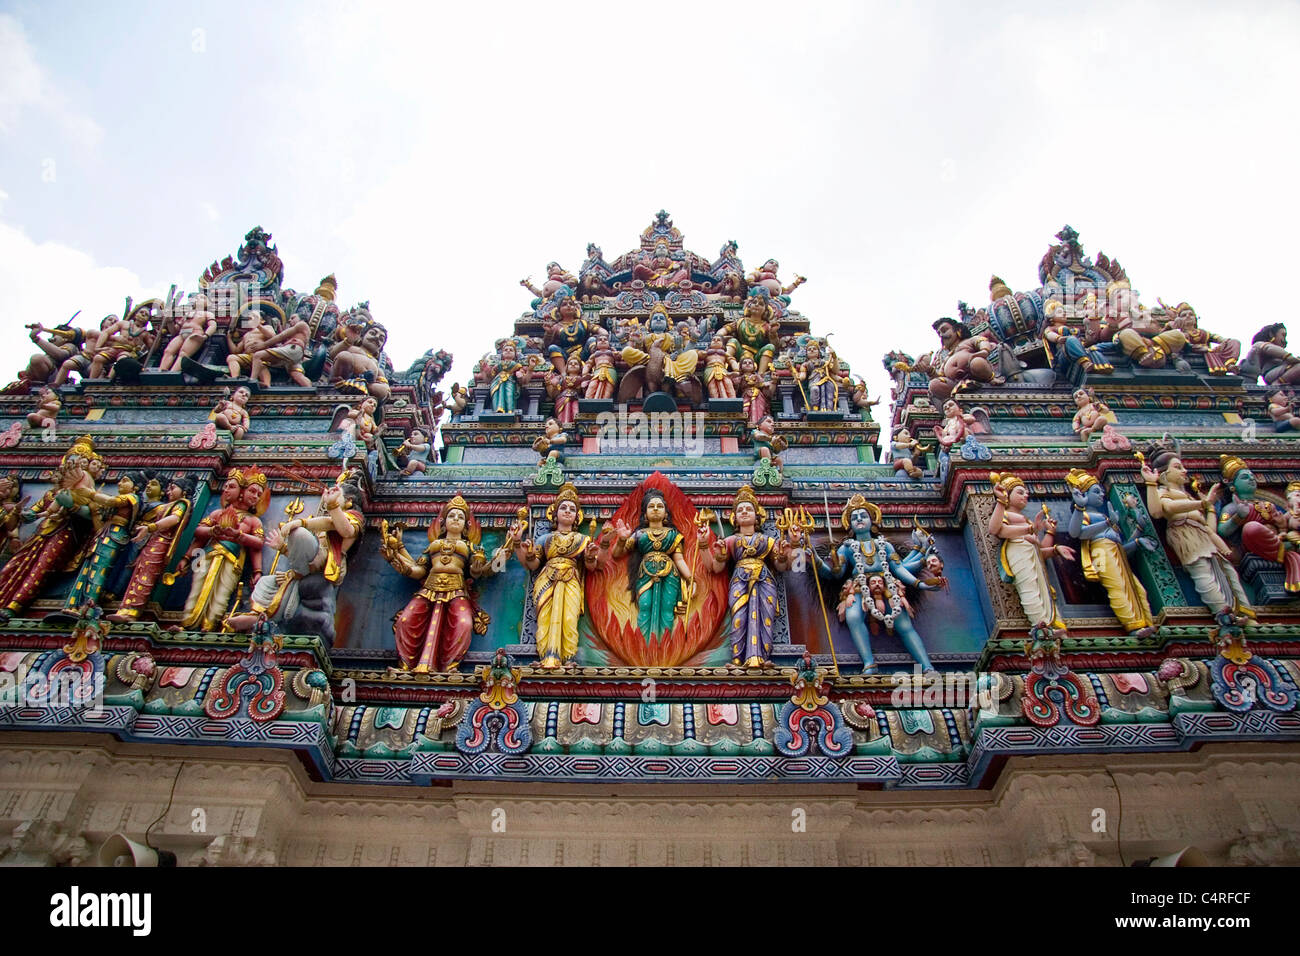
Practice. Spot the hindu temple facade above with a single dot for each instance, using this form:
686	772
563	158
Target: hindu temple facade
658	583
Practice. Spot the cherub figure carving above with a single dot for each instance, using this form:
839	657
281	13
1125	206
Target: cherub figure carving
232	413
905	449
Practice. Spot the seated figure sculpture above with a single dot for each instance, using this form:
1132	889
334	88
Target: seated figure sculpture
1268	358
359	358
962	358
1148	343
1220	353
63	343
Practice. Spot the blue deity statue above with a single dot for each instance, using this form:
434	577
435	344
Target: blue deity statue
876	577
1104	552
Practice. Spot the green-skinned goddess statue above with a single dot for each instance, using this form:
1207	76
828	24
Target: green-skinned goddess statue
657	588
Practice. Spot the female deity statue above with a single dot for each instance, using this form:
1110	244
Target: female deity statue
1104	553
11	514
158	531
660	576
862	558
756	389
58	537
566	389
819	379
227	538
717	369
566	336
755	334
1261	526
434	630
504	377
752	596
599	374
557	590
1191	535
113	516
1024	546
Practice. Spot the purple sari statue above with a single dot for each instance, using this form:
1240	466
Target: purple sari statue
752	598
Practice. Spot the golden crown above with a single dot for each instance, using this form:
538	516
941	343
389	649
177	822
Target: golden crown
1005	480
856	503
83	447
746	494
1080	479
252	476
1229	465
473	532
566	493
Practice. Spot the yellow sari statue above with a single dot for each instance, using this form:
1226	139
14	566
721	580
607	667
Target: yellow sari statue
557	589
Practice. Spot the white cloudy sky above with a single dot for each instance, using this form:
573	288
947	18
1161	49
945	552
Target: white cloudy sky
431	155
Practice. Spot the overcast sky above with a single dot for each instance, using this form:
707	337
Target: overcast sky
432	155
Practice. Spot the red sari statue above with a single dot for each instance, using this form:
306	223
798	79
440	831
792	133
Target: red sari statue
62	530
158	531
434	630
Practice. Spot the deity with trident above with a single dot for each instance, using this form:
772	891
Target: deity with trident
752	597
873	603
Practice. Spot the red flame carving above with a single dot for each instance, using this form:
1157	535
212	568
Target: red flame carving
613	614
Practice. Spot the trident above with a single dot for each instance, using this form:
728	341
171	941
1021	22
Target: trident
804	520
291	511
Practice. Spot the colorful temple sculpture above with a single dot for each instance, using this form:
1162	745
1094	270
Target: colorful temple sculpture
652	537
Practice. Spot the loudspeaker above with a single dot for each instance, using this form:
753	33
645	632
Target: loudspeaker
1187	856
119	851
